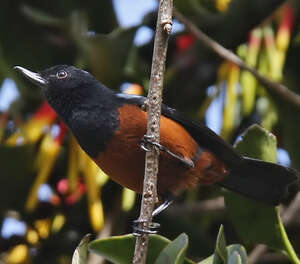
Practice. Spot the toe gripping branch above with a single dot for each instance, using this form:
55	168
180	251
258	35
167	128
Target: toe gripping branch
140	226
147	140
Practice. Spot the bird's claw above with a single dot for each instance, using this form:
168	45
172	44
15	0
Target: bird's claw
146	141
140	229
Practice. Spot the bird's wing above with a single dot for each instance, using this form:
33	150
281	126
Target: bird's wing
204	136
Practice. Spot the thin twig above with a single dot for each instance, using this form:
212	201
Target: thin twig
277	88
153	105
288	214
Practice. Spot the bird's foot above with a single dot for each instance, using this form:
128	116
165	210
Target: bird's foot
139	228
148	140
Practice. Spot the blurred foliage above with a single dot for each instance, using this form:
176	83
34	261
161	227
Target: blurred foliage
37	150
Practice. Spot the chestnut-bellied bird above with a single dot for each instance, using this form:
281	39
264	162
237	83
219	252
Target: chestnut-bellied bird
110	127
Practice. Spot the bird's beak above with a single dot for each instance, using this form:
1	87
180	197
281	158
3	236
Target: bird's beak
34	77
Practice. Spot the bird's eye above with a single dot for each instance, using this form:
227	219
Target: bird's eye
61	74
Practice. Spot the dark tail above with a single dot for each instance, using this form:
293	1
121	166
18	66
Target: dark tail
262	181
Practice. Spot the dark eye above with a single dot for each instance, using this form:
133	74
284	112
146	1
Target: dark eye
61	74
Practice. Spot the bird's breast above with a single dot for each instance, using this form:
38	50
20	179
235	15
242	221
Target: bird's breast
123	159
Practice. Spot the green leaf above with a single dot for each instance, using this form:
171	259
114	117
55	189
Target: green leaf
238	249
120	249
229	254
256	222
174	253
234	258
209	260
220	251
258	143
235	248
80	255
264	230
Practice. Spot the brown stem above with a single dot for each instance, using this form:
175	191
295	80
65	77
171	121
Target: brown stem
274	87
153	105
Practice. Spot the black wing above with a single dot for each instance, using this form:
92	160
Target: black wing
204	136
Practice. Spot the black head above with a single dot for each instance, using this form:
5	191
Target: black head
84	104
69	89
60	77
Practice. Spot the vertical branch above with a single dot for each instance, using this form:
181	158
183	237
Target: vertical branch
153	105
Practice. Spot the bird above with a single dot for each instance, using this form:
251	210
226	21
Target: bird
110	127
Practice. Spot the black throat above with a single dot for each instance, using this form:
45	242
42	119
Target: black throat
90	112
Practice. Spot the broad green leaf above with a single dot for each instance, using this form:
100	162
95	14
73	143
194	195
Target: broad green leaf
174	253
120	249
256	222
258	143
80	255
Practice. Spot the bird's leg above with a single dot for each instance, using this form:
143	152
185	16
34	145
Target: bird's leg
139	229
148	140
153	227
162	207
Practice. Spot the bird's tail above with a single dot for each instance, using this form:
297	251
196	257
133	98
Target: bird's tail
262	181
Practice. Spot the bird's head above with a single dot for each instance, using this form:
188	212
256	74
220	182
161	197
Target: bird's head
60	77
69	89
